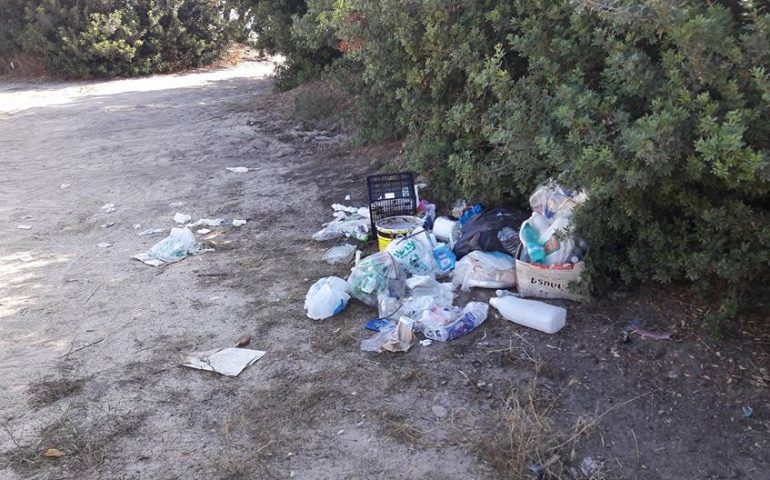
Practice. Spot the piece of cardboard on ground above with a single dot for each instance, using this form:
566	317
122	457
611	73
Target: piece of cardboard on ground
225	361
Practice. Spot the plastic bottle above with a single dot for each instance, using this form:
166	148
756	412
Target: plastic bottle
531	239
473	315
509	240
531	313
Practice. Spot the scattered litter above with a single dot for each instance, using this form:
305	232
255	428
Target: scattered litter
177	246
238	223
237	169
181	218
65	186
53	453
747	411
397	339
340	254
203	231
636	327
438	410
426	342
24	257
485	270
103	245
327	297
531	313
151	231
349	222
108	224
446	324
340	432
243	341
347	198
208	222
108	207
137	226
225	361
24	227
176	204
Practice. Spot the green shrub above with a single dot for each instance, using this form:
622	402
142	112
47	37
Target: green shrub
661	110
98	38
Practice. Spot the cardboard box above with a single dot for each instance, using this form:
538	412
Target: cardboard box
539	281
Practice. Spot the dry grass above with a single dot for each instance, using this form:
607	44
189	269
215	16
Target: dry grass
82	436
46	392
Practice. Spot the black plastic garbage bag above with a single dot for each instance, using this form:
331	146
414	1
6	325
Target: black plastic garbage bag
481	231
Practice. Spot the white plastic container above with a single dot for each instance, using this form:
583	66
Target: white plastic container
531	313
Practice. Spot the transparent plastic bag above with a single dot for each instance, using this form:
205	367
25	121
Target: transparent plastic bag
377	275
485	270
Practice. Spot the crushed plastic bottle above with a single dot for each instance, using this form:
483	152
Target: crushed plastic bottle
433	326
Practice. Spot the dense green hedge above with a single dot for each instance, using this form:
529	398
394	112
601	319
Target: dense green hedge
87	38
661	110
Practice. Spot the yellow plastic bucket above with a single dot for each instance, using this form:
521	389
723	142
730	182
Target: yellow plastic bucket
391	228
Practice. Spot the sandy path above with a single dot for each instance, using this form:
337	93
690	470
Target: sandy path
89	338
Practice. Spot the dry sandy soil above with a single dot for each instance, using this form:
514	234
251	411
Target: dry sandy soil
90	339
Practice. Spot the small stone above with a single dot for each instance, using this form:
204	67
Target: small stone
341	432
103	245
292	474
439	411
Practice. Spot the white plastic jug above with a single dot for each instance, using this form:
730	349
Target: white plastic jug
531	313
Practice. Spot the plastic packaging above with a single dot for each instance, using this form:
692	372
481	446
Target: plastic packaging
424	293
377	275
444	258
509	239
531	313
552	200
485	270
414	253
444	324
397	339
445	229
327	297
557	242
179	243
340	254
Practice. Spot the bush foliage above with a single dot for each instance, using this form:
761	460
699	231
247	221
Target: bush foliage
660	109
97	38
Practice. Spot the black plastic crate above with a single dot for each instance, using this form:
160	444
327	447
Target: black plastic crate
391	194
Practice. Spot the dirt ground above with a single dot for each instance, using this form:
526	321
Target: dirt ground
90	339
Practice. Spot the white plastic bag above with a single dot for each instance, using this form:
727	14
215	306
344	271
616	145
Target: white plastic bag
414	253
327	297
485	270
340	254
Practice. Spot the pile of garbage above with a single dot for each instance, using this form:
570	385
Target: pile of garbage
412	280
